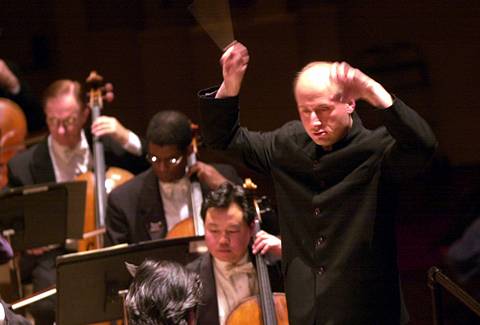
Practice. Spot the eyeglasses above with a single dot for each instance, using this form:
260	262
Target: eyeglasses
170	162
66	122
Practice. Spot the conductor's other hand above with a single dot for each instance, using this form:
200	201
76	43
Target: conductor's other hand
106	125
8	80
357	85
207	174
234	62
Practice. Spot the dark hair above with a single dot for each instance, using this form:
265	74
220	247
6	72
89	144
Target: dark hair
170	128
64	87
162	292
223	196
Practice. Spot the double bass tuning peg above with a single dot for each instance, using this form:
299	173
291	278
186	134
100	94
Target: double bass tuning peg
97	89
107	92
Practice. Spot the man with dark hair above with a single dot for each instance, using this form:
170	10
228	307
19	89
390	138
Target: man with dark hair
65	154
163	293
152	203
227	272
334	182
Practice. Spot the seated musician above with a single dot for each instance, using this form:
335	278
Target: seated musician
152	203
163	293
64	154
227	272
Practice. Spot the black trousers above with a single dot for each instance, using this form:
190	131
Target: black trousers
41	272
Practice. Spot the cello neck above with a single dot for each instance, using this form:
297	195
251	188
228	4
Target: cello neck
196	198
96	104
265	290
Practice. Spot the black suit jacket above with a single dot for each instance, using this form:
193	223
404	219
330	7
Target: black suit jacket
208	310
34	165
132	206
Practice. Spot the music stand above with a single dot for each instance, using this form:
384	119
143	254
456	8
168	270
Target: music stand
88	283
43	214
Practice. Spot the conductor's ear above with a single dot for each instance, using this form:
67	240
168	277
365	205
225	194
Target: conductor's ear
351	107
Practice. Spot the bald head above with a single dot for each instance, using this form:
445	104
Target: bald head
315	76
324	116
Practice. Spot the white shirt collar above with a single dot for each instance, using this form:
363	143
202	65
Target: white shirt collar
181	185
222	265
65	153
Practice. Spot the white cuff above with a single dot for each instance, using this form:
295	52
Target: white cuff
134	145
2	315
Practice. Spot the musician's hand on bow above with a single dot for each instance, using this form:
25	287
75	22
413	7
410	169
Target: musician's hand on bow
207	174
106	125
234	62
8	80
357	85
267	243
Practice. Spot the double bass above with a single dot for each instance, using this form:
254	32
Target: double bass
99	183
266	308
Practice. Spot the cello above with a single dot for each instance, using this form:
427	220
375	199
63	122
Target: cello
266	308
13	130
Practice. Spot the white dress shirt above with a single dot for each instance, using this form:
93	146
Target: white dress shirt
68	162
176	200
234	283
2	315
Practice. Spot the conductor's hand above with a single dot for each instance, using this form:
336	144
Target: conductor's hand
234	62
8	80
357	85
106	125
207	174
267	243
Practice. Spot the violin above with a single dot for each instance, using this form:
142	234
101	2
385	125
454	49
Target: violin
266	308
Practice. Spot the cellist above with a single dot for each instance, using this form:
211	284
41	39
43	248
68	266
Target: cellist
227	271
64	154
152	203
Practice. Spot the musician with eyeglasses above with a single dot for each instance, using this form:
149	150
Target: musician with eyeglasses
152	203
64	154
67	150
